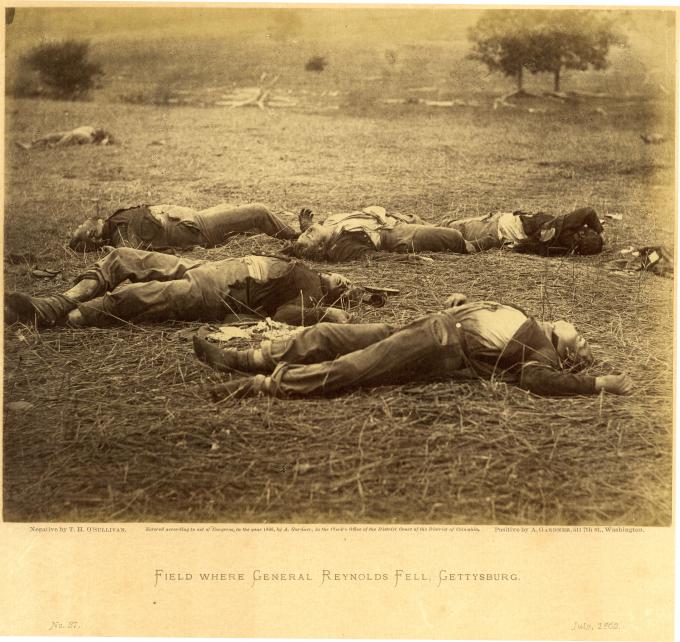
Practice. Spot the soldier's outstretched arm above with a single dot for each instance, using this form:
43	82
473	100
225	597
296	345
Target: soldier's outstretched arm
305	218
544	380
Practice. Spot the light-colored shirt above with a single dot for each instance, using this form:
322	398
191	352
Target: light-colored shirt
369	220
259	267
510	228
490	325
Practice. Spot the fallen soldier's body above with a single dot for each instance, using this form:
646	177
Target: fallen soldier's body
162	227
85	135
579	231
482	339
346	236
165	288
343	237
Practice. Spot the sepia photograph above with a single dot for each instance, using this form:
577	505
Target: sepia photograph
339	265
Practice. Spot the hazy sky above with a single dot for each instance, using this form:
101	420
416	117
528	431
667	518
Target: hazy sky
393	22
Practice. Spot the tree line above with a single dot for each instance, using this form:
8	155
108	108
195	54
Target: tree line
505	40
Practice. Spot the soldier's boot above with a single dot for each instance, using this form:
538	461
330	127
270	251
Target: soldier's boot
44	311
229	359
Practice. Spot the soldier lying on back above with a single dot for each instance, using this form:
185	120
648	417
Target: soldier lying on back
483	339
343	237
578	231
161	227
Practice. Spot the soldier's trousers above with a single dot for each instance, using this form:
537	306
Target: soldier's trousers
330	357
162	288
407	237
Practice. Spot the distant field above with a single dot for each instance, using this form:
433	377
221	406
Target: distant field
118	428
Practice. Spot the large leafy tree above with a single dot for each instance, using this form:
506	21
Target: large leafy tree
512	41
571	39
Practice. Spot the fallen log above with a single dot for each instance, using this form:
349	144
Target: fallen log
569	98
259	99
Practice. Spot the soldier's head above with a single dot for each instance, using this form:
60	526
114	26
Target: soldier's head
88	236
570	345
334	286
312	242
587	241
101	137
341	292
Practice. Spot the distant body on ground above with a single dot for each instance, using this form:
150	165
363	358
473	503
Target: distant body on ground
85	135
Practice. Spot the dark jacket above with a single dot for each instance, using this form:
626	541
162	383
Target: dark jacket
348	245
294	284
548	234
291	293
137	227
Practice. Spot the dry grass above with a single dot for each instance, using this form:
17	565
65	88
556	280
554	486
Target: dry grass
119	430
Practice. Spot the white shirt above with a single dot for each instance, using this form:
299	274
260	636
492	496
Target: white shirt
491	324
510	228
258	267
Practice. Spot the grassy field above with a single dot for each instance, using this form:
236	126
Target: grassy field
117	428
